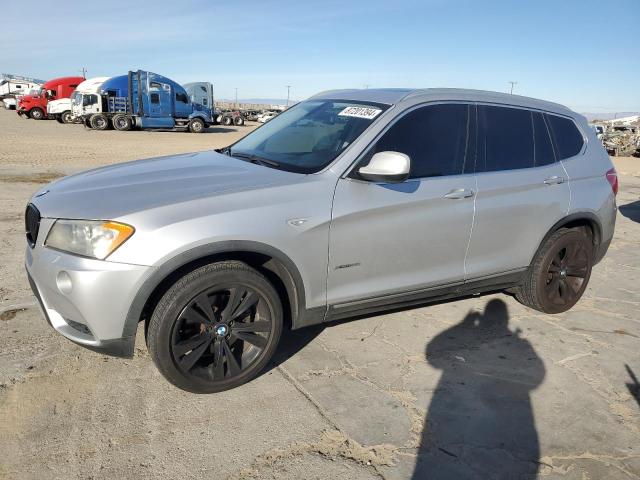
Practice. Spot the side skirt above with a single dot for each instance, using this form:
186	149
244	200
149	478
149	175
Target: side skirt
427	295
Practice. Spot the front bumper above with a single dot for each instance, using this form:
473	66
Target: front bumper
85	300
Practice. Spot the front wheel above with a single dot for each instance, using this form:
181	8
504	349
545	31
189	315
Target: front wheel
36	113
559	274
99	121
66	117
196	125
215	328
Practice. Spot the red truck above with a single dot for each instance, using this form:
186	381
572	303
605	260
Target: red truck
35	106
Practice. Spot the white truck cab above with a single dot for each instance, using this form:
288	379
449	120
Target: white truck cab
84	99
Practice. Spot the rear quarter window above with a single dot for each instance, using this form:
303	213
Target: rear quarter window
567	139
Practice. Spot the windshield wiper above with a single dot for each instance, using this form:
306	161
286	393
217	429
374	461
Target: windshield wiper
254	159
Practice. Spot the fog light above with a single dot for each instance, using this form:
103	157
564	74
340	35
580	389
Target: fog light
63	280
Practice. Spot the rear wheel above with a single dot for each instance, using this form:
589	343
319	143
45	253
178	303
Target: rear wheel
36	113
238	121
122	122
99	121
215	328
559	274
196	125
227	121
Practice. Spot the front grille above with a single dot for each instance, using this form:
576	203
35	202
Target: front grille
32	223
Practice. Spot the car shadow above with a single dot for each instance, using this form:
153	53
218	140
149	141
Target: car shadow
480	421
634	386
291	342
631	211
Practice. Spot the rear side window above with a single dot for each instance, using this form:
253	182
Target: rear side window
182	97
505	139
543	151
434	137
155	98
567	139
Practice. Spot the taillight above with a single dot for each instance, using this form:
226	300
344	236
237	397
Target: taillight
612	178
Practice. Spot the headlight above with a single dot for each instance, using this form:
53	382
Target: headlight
95	239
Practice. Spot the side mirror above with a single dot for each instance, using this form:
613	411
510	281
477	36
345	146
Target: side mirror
388	167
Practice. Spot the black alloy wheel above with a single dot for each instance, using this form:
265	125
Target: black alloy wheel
216	328
560	272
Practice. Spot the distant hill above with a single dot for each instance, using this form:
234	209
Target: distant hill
607	116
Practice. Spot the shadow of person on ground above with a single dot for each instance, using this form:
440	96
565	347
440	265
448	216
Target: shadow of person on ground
480	421
634	386
631	210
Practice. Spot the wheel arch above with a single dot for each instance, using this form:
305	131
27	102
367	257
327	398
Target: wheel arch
585	220
279	269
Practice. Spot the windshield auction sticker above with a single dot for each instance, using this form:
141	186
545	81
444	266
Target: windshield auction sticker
360	112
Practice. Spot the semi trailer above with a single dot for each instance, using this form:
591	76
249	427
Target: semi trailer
35	106
61	109
152	102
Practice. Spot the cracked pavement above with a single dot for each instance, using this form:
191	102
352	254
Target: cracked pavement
474	388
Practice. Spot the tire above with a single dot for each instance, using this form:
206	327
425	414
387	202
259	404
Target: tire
99	121
36	113
238	121
227	121
191	343
122	122
66	117
559	274
196	125
59	119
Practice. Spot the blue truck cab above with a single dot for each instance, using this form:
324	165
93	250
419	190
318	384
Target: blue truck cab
150	101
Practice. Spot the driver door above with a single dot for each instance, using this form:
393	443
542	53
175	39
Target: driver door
388	239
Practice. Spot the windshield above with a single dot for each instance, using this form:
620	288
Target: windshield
309	136
76	98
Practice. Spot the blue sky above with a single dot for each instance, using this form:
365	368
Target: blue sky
570	51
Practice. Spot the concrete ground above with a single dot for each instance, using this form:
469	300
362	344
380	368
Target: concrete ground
476	388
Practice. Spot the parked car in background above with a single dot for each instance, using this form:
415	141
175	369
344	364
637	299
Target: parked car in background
35	105
265	117
428	195
61	109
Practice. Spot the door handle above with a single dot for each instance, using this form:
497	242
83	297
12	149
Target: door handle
459	193
555	180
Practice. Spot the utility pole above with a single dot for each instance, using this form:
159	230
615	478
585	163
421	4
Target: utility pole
366	85
236	104
288	90
512	85
84	72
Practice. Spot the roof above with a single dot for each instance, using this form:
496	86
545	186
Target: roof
394	96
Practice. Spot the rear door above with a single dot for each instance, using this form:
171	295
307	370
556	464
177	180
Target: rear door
394	238
522	190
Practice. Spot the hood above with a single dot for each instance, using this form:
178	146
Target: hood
112	192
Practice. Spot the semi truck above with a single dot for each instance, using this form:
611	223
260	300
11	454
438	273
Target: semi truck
35	106
201	93
60	109
152	102
92	101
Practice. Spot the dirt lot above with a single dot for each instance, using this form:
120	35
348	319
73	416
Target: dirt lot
476	388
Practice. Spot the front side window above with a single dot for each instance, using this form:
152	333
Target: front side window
434	137
88	100
155	98
309	136
505	139
182	97
567	138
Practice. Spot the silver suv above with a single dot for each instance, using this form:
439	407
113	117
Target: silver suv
351	202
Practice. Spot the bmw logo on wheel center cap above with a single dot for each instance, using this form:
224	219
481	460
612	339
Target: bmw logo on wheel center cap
221	330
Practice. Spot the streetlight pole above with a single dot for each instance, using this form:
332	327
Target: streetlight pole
512	84
288	90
